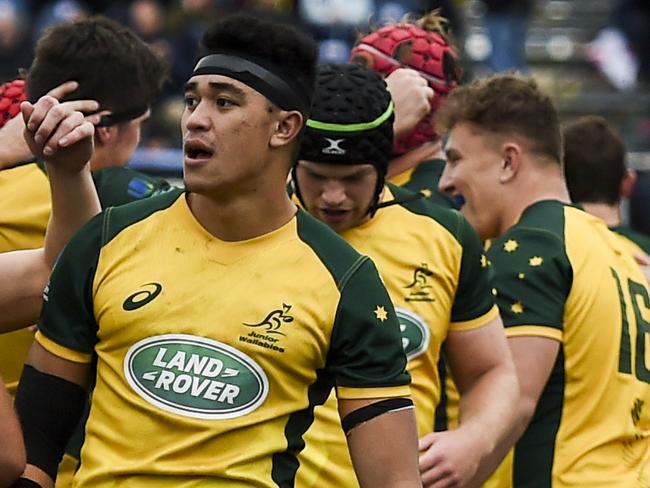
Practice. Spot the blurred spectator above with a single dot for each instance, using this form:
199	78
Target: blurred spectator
335	23
507	23
622	50
55	13
15	47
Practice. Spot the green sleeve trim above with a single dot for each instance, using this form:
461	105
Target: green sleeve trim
366	346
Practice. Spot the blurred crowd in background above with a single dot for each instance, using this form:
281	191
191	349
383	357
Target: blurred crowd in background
590	54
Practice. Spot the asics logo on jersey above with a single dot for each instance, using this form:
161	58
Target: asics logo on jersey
274	320
142	297
334	146
419	288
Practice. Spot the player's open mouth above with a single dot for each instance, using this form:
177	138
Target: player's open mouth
197	151
334	215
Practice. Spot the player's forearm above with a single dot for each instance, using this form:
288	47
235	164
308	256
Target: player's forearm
12	451
13	148
24	275
489	412
74	202
494	459
384	451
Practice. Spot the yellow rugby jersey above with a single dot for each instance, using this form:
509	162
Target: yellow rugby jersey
560	273
211	355
430	260
638	239
24	207
24	213
424	179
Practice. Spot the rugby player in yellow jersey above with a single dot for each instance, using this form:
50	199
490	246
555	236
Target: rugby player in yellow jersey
430	260
597	175
111	65
574	302
420	64
212	321
63	136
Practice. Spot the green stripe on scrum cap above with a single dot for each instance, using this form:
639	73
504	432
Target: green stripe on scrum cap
359	127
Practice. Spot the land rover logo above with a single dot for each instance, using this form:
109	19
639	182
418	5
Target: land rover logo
415	333
195	377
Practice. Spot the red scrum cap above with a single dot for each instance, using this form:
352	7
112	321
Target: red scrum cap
406	45
12	94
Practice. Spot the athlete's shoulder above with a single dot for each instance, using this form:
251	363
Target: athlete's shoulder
116	219
418	204
117	185
546	216
638	238
340	259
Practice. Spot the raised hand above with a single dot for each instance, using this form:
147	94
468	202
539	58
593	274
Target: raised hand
58	132
412	97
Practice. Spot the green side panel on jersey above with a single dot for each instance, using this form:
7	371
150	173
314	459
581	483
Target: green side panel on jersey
531	272
473	298
535	450
285	464
441	420
117	185
640	239
426	176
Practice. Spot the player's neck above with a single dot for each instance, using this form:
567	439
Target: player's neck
425	152
243	217
611	214
532	188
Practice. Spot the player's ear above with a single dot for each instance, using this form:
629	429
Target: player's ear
510	162
105	135
628	183
288	125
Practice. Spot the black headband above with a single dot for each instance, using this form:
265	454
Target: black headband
269	80
119	117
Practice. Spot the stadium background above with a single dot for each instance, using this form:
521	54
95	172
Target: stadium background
571	47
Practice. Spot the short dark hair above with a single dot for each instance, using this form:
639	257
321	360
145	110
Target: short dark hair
279	43
594	161
111	63
506	104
